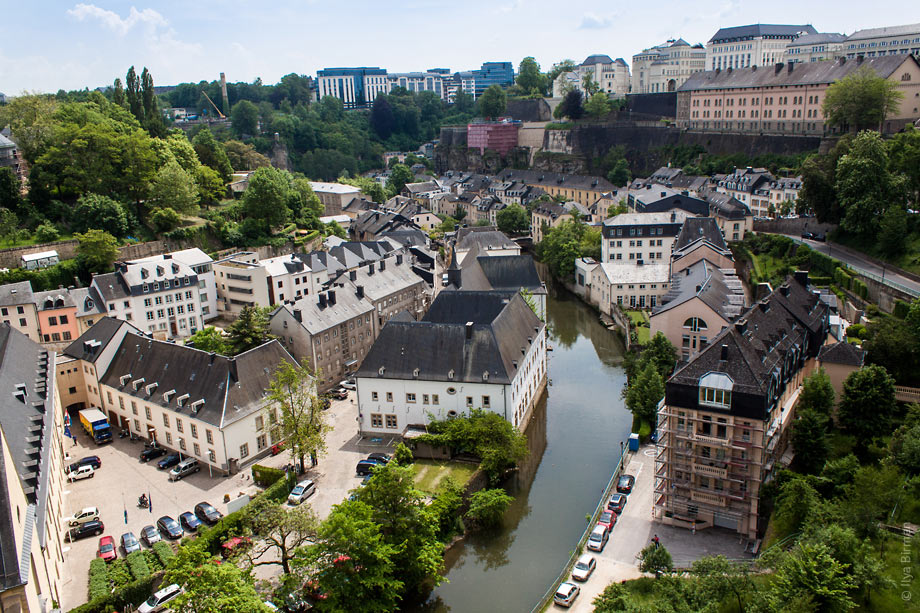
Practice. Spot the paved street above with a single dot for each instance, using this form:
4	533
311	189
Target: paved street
122	478
634	530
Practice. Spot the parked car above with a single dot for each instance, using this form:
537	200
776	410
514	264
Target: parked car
598	538
339	393
808	235
365	467
107	549
169	461
169	527
625	484
383	458
207	513
583	568
82	516
83	472
301	492
150	535
189	521
348	384
90	528
617	503
608	518
151	453
184	468
819	237
130	543
90	460
566	594
155	603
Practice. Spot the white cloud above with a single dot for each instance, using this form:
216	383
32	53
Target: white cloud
507	8
147	17
591	21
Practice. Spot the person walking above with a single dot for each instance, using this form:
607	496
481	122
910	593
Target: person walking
656	541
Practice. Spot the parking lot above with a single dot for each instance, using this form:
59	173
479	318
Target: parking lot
123	478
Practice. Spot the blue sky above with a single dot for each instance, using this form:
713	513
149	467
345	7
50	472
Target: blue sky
50	44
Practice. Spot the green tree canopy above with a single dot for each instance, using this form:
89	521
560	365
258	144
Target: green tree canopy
244	117
280	531
249	330
861	100
487	507
572	105
598	106
529	78
867	404
810	574
865	186
102	212
513	219
400	174
655	559
268	199
644	393
492	102
809	440
817	393
210	339
174	188
296	411
211	586
243	156
211	153
97	250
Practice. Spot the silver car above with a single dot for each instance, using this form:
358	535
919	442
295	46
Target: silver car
301	492
583	568
566	594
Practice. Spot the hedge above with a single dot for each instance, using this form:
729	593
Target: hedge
130	595
861	289
137	564
901	309
265	476
842	278
163	552
153	562
46	279
119	575
98	579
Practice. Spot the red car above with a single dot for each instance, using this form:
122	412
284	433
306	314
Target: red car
608	518
107	550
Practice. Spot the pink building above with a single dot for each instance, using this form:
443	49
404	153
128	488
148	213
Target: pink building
500	136
57	316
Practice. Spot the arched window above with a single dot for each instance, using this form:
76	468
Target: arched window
695	324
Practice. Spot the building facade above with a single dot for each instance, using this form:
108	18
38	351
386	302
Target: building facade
17	308
821	47
500	136
891	40
201	263
752	45
665	67
355	87
334	196
641	237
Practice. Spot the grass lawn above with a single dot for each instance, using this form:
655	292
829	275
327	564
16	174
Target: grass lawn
5	244
768	267
639	318
428	473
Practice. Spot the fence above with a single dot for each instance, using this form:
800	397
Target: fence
902	393
548	595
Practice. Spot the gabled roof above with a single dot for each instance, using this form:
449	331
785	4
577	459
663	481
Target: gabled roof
814	39
700	229
487	240
718	289
844	353
88	301
726	205
89	345
760	29
54	299
12	294
316	317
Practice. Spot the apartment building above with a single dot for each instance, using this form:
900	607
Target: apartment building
206	406
201	263
665	67
733	216
626	284
332	331
31	477
334	196
641	237
551	214
245	280
483	240
611	76
57	318
752	45
90	307
725	420
787	98
500	136
700	238
389	285
17	308
473	350
890	40
821	47
583	189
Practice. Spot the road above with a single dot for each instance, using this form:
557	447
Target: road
857	261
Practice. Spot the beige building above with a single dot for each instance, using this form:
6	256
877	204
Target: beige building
17	308
334	196
643	238
839	361
31	477
547	215
821	47
389	285
611	76
890	40
665	67
752	45
583	189
245	280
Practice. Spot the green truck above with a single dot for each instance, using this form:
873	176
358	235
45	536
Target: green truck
96	425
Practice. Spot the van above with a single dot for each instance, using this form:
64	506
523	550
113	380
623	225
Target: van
445	280
598	538
184	468
160	598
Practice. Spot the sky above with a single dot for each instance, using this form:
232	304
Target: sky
48	45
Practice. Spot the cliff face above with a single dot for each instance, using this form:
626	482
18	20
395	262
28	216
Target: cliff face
459	157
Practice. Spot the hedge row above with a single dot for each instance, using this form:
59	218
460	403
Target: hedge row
98	579
164	553
861	289
130	595
266	475
901	309
137	564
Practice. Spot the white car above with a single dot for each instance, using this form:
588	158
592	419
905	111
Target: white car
583	568
566	594
83	516
301	492
156	602
598	538
348	384
84	472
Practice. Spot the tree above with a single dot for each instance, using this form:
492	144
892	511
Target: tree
400	174
590	86
382	119
10	197
152	120
867	405
598	106
279	531
210	339
865	568
243	156
369	187
268	198
403	456
811	574
644	393
809	440
118	93
892	238
871	496
529	78
31	121
660	353
296	412
559	68
861	101
572	106
165	220
47	233
9	224
210	586
174	188
249	330
487	507
97	250
513	219
619	174
719	579
133	95
904	158
212	154
655	559
211	189
817	394
865	186
492	102
795	503
896	347
244	117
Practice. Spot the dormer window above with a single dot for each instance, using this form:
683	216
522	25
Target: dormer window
716	390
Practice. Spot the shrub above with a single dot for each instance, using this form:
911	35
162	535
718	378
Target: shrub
137	564
163	552
153	561
265	476
403	455
856	331
165	220
119	573
861	289
487	507
98	579
842	278
901	309
46	233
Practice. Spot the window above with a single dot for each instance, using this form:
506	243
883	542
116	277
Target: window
52	321
169	438
391	421
178	424
469	401
410	397
695	324
424	398
182	444
260	423
147	411
197	449
715	397
434	399
374	396
260	442
389	396
244	450
376	420
486	403
209	436
165	420
194	429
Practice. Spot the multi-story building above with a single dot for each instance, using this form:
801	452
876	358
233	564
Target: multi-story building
419	82
665	67
611	76
891	40
643	238
462	83
700	238
355	87
493	73
332	331
57	318
725	419
483	240
733	216
160	296
821	47
244	280
753	45
473	350
389	285
31	477
551	214
583	189
90	307
749	185
334	196
201	263
17	308
787	98
206	406
633	285
500	136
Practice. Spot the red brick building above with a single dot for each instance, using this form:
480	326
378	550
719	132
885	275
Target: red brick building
499	136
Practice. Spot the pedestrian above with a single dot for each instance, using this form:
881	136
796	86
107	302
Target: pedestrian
656	541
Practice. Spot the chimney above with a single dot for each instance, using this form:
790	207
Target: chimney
784	290
297	315
673	216
762	291
223	92
331	297
322	301
778	68
469	330
801	276
649	186
663	194
687	271
360	292
724	355
789	66
353	275
698	288
383	265
399	260
741	326
764	305
167	256
370	268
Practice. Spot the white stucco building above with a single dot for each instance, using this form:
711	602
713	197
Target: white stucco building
201	263
665	67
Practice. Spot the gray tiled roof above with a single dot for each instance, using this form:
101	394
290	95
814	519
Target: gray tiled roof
912	28
719	289
12	294
597	59
842	353
316	318
697	229
760	29
486	240
556	179
815	39
90	344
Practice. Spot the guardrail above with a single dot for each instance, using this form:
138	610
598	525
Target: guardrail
548	596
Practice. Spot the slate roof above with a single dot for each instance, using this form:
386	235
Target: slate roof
378	284
485	240
89	345
597	59
6	143
844	353
718	289
498	272
421	188
816	39
648	219
802	73
408	237
12	294
111	286
726	205
912	28
700	229
502	330
760	29
53	299
551	179
232	388
316	318
376	222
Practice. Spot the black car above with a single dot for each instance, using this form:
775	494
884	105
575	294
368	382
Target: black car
169	527
207	513
90	460
90	528
365	467
169	461
383	458
625	484
151	453
808	235
819	237
189	521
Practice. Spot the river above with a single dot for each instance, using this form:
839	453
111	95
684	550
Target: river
574	438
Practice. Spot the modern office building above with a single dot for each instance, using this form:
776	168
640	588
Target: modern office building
493	73
353	86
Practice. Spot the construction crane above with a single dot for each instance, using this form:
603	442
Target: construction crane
219	114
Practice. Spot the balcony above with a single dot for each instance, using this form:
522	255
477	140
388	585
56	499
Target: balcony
239	290
710	471
707	498
715	441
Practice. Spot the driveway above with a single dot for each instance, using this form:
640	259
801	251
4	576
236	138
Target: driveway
635	529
